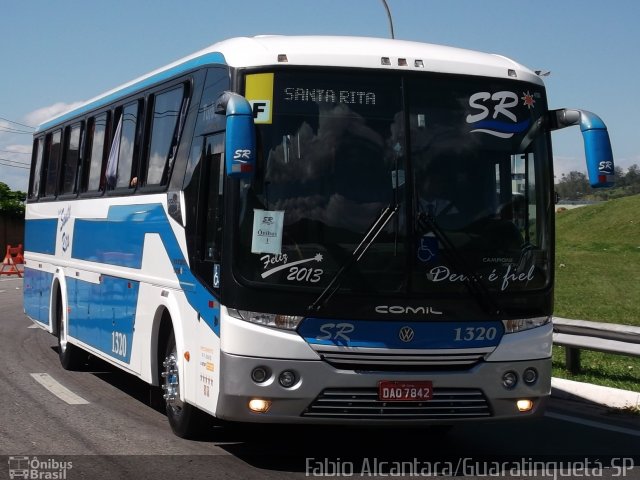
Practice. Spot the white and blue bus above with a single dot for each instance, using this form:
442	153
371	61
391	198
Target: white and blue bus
255	230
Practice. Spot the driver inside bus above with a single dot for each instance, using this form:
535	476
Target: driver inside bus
435	192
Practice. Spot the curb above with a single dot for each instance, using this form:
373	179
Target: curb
605	396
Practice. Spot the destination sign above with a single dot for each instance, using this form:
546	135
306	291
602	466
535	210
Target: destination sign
320	95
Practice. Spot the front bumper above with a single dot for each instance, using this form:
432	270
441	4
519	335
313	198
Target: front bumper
298	404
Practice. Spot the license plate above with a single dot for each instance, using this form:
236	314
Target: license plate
401	391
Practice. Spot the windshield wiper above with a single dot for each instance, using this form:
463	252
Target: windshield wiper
369	237
426	223
531	134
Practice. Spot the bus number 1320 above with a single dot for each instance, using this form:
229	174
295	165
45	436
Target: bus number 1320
471	334
119	343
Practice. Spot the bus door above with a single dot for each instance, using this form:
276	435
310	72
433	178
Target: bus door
210	211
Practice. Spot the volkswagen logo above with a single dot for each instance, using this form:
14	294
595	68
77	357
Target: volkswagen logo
406	334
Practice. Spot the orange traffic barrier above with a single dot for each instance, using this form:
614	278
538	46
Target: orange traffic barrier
13	258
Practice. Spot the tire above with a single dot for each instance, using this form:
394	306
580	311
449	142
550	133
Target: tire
71	357
186	420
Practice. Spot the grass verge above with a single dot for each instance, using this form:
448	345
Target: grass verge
616	371
598	279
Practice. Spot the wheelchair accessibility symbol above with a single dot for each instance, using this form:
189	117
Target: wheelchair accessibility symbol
428	250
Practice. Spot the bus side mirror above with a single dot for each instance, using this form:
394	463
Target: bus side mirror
597	146
240	137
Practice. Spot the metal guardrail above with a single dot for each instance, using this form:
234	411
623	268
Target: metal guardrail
575	335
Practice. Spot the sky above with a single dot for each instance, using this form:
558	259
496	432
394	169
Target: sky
55	54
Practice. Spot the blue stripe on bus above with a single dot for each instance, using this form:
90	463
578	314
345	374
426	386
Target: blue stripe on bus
393	334
119	240
103	315
37	293
209	58
40	235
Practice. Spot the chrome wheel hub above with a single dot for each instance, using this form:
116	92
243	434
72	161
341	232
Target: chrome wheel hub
171	385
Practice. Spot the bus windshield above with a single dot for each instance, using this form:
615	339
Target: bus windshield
463	159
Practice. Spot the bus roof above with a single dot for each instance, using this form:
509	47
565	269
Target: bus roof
329	51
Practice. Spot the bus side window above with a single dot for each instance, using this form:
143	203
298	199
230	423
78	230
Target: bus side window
36	172
52	162
168	114
71	159
122	165
93	164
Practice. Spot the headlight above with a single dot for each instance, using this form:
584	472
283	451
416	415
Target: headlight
285	322
521	324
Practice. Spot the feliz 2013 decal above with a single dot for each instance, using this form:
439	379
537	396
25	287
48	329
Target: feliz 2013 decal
296	273
493	113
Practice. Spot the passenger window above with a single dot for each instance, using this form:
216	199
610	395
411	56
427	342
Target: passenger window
38	150
96	151
168	111
52	163
216	83
121	167
71	159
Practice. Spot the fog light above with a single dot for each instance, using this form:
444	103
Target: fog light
509	380
530	376
258	405
287	379
259	374
524	405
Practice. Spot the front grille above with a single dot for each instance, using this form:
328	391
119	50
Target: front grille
407	362
363	403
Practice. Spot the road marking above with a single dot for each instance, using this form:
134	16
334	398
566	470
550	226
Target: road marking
57	389
591	423
33	325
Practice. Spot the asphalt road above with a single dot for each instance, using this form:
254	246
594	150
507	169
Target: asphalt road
104	427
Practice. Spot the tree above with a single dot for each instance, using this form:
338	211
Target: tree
573	186
633	174
11	203
619	175
632	179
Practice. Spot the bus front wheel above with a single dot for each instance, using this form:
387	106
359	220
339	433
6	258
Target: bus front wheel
186	420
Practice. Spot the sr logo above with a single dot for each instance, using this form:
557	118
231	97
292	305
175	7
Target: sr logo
502	102
336	331
605	167
241	155
406	334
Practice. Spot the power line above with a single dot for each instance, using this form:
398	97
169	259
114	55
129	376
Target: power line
15	161
17	123
13	130
13	166
20	153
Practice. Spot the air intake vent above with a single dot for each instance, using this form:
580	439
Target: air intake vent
363	403
402	362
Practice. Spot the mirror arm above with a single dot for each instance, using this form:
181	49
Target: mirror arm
597	145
